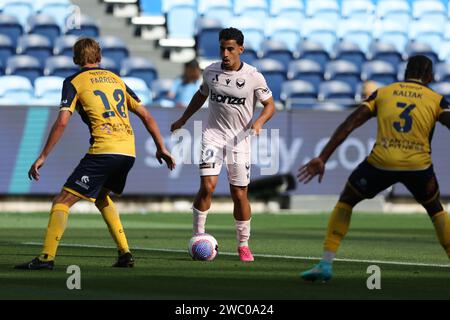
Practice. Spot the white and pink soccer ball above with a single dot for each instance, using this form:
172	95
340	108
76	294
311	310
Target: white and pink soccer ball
203	246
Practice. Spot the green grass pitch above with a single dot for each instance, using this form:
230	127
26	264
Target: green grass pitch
280	243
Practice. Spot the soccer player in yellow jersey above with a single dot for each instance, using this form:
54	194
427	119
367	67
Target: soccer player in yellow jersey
406	114
103	100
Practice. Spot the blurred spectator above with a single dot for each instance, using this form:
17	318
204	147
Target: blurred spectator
368	88
186	85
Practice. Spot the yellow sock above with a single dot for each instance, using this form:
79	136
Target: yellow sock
337	226
112	219
55	229
441	223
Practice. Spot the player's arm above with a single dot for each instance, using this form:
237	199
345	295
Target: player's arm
317	165
266	114
195	104
444	117
55	134
152	127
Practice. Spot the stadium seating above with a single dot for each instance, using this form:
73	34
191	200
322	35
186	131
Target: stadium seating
35	45
15	90
274	72
379	71
344	71
302	94
140	88
25	66
47	90
61	66
44	25
306	70
139	68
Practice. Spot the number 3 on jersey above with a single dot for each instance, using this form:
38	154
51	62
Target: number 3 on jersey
406	116
119	97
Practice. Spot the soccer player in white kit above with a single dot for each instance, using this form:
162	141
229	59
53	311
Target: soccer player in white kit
232	87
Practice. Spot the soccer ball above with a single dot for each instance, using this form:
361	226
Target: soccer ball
203	246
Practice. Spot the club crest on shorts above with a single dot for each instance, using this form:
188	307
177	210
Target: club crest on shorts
240	83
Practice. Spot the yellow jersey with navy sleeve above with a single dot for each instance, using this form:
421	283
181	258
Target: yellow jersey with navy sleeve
103	100
406	116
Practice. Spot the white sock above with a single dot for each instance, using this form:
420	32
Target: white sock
328	256
243	232
199	220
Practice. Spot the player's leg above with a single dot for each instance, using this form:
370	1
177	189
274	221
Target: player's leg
365	182
238	169
121	165
202	203
210	167
242	216
55	229
425	189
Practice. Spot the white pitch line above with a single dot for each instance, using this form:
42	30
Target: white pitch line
398	263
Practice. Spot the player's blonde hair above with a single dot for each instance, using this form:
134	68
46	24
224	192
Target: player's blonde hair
86	51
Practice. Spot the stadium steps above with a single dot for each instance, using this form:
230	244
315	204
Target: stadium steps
119	27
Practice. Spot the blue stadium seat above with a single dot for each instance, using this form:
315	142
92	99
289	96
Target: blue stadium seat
274	72
249	55
359	10
140	88
359	90
401	71
379	71
139	68
284	29
207	38
277	50
181	21
254	9
23	65
385	52
221	10
414	48
320	31
151	7
325	10
20	9
109	64
344	71
47	90
288	10
358	32
44	25
442	88
6	49
393	33
160	89
61	66
394	10
298	94
428	32
35	45
169	4
253	31
64	44
313	51
58	9
88	27
336	91
11	27
306	70
442	72
349	51
114	48
430	10
15	90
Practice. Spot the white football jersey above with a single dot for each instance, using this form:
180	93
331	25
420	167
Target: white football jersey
232	100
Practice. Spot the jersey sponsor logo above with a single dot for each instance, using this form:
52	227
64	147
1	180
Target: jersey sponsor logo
215	97
240	83
205	165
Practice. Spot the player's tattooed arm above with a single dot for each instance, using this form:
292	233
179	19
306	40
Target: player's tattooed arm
266	114
196	103
55	134
317	165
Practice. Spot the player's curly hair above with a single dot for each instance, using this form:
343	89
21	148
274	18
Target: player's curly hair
86	50
232	34
419	67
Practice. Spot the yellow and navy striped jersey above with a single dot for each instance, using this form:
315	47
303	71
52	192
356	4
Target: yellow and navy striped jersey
406	115
102	99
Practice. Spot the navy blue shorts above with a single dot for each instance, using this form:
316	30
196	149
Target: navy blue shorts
97	171
368	181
